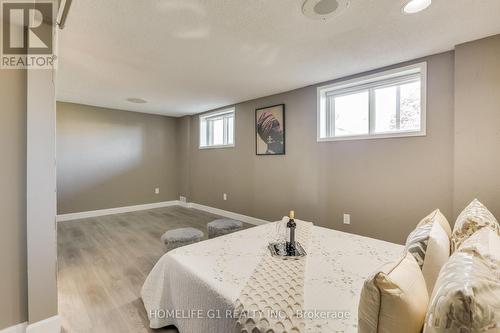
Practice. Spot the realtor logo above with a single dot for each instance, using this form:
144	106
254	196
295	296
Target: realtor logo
27	34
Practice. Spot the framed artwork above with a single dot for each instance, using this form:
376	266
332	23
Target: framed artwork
270	130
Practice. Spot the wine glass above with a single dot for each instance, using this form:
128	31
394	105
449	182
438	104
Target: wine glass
280	235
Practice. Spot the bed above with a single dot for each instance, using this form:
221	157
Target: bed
195	287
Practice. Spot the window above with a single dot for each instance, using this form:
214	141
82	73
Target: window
217	129
388	104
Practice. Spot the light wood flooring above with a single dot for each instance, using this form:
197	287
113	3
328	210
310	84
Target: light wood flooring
104	261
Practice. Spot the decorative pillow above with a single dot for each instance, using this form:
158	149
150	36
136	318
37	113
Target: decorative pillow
484	243
437	216
467	293
429	243
474	217
394	299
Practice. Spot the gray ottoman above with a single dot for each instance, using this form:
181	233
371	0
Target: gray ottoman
179	237
223	227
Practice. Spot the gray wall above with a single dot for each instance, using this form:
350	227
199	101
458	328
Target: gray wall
13	280
386	185
110	158
477	123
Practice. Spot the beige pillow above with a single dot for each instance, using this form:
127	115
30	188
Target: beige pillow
439	217
394	299
429	243
474	217
466	297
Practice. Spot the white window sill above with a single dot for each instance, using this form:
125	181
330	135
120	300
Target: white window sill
217	147
374	136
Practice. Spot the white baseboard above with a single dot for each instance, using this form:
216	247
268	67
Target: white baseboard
20	328
49	325
225	213
118	210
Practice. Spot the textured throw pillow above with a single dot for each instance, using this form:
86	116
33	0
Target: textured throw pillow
474	217
439	217
429	243
467	293
394	299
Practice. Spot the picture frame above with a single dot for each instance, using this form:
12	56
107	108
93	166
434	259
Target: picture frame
270	132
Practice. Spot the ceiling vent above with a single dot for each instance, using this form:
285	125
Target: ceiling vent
136	100
324	9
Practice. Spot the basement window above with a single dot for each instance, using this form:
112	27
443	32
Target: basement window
217	129
384	105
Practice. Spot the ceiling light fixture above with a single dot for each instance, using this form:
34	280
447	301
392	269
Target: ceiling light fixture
136	100
415	6
324	9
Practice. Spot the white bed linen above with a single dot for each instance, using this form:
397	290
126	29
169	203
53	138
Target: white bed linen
203	280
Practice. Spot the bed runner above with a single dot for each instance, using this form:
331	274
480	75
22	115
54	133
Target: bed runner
274	293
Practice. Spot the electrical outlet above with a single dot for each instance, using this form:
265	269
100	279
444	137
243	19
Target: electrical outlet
224	196
183	199
157	190
347	218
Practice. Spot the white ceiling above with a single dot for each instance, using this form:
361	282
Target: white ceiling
190	56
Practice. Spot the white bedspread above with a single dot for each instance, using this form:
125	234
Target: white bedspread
195	287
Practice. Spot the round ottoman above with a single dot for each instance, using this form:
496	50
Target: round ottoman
223	227
179	237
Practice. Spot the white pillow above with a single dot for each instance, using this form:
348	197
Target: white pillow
437	215
429	243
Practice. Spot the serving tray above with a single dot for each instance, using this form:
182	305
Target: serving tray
280	250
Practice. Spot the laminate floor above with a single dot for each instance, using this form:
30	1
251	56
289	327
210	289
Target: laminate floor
104	261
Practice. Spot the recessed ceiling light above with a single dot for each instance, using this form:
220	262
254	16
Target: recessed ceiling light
415	6
324	9
137	100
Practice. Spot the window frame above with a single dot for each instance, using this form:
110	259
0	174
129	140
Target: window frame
221	112
369	83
